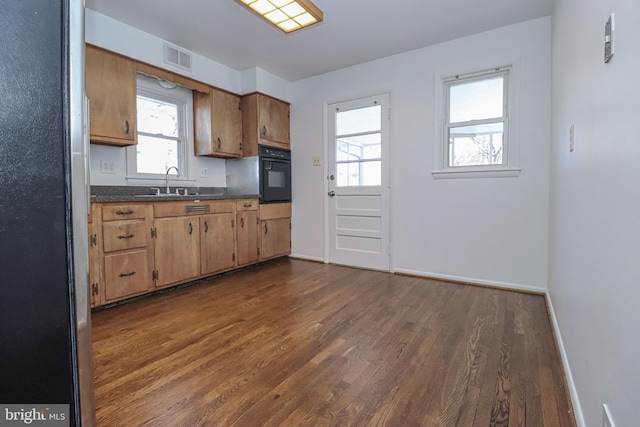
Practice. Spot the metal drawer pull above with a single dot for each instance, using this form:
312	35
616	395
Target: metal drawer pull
206	227
128	236
127	274
190	228
248	204
124	212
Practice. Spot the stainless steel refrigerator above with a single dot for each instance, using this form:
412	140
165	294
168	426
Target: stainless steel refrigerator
45	341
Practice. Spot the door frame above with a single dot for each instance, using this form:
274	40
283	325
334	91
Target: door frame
386	171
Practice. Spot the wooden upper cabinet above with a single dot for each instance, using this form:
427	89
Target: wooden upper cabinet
111	89
265	121
218	124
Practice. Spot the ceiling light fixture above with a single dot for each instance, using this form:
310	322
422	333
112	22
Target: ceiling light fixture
287	15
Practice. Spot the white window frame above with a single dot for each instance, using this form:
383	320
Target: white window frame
149	87
509	166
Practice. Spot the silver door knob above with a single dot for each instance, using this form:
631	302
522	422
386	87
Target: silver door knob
331	193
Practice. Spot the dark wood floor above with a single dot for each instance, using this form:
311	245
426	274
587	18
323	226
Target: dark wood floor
296	343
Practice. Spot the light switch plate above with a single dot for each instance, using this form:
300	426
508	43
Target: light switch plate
609	33
572	138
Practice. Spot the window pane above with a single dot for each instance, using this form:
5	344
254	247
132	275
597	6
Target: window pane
366	119
476	145
156	155
476	100
359	147
158	117
355	174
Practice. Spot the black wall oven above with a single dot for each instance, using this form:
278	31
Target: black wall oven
275	174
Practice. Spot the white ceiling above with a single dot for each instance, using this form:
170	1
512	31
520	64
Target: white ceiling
353	31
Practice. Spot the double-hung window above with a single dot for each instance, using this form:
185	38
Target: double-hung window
476	122
163	114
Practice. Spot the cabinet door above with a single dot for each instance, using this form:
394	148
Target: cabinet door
177	251
111	89
218	124
273	120
217	248
94	265
227	123
247	237
276	238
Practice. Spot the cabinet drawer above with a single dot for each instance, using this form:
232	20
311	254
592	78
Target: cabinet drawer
123	212
247	205
169	209
275	210
124	235
125	274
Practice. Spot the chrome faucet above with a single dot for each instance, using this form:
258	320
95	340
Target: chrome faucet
167	176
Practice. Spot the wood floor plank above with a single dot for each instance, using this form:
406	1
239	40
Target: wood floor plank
295	343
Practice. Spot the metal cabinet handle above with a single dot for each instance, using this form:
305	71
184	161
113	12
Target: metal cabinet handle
127	274
266	229
206	227
264	131
126	127
190	228
241	222
247	204
128	236
219	143
129	212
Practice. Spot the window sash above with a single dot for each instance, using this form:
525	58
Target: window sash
504	119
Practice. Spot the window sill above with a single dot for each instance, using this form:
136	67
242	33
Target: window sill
477	173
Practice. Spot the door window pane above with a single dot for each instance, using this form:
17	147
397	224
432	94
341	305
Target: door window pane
353	174
360	120
476	100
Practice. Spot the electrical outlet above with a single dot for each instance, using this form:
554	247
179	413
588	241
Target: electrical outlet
572	140
204	173
107	166
316	161
607	421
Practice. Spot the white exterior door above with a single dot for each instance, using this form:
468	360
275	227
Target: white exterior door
358	188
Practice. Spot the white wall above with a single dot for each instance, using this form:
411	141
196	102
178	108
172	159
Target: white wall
594	262
490	230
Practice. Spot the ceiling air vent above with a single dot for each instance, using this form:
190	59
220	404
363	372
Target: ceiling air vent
175	56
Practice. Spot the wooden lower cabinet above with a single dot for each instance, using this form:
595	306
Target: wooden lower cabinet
247	232
217	243
275	238
126	253
138	248
275	230
94	265
177	250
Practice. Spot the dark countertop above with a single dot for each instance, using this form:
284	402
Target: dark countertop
103	193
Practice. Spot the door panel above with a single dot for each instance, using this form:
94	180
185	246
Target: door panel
358	190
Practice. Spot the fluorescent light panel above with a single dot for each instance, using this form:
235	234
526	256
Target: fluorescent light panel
288	15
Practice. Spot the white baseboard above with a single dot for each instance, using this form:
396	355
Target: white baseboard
493	284
575	400
307	257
